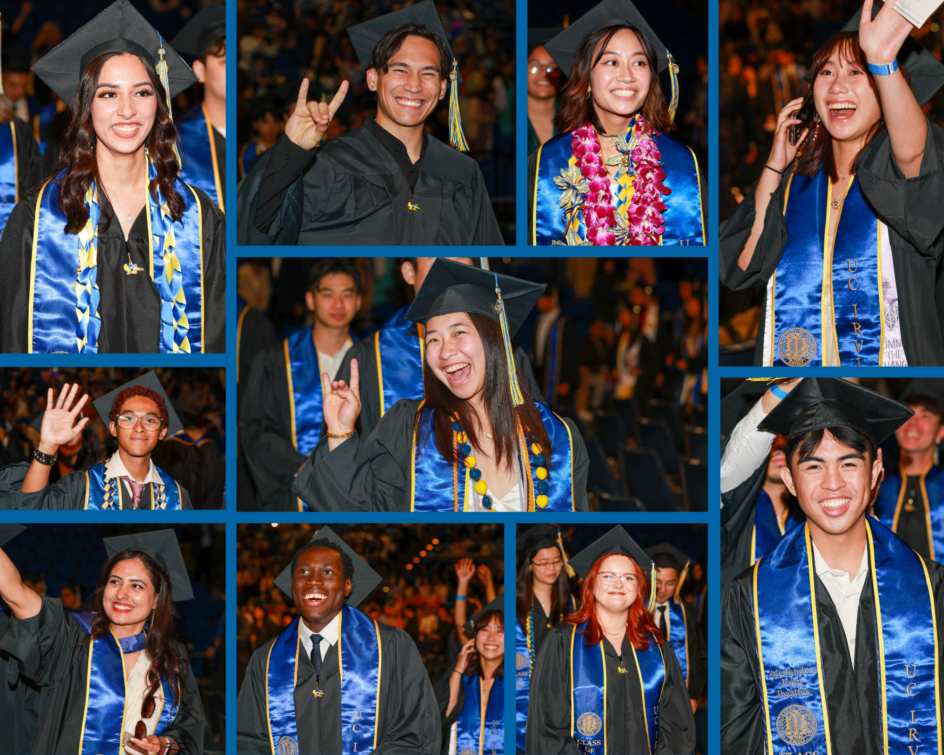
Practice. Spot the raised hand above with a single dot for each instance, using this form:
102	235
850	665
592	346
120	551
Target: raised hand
462	662
783	153
465	568
484	574
309	121
59	426
882	37
342	403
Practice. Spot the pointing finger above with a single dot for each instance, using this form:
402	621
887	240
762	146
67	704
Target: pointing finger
355	379
338	99
302	94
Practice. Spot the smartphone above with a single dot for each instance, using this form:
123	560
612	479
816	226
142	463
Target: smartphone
805	114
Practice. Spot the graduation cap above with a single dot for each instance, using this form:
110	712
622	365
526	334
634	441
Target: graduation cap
818	403
363	583
933	387
366	35
162	546
148	380
9	531
496	605
118	28
736	405
453	287
563	47
617	540
538	36
202	31
536	538
667	556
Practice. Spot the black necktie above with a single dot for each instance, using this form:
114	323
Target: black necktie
316	653
662	627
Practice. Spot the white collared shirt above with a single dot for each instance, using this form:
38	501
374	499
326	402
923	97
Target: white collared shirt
747	449
329	635
116	468
845	592
332	363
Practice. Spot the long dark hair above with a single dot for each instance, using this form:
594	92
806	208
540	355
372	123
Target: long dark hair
576	108
496	397
77	149
818	153
524	592
165	659
475	663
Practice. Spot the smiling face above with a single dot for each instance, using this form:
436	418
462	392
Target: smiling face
124	105
490	640
619	82
411	86
335	302
921	433
319	587
138	440
546	565
616	595
455	354
834	486
129	595
846	98
666	582
542	85
212	74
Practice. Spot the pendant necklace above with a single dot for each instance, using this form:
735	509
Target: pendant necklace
121	207
837	202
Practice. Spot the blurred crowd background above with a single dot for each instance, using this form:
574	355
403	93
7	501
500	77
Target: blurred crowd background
63	560
31	28
417	594
633	374
198	396
283	41
765	48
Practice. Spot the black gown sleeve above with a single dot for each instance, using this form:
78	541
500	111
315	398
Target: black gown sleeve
483	220
581	468
737	524
64	494
188	726
442	700
256	335
526	373
252	722
549	727
697	654
363	352
214	275
29	160
676	723
16	248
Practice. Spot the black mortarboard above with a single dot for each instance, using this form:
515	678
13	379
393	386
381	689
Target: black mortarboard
536	538
363	583
203	30
369	33
818	403
9	531
617	540
563	47
496	605
162	546
148	380
118	28
736	405
667	556
928	386
539	36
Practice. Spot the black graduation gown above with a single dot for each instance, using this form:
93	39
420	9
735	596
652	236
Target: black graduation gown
49	650
441	689
549	707
130	305
354	193
912	210
737	524
68	493
374	475
365	353
183	462
19	703
697	652
408	719
568	370
852	694
29	165
214	472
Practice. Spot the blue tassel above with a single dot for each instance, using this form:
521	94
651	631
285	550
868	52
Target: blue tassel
673	77
456	134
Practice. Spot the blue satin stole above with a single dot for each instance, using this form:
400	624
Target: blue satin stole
360	661
523	655
588	691
767	530
167	498
201	163
9	186
444	486
678	634
105	715
399	350
684	217
891	497
52	318
476	735
791	682
813	278
247	157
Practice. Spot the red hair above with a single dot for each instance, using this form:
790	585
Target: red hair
641	629
139	390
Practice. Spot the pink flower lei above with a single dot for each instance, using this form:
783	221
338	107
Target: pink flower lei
644	215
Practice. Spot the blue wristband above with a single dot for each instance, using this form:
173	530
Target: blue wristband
461	597
778	391
884	70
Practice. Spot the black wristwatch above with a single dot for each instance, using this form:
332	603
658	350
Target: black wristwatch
46	459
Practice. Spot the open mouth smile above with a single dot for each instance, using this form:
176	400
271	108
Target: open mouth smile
412	104
841	110
122	608
314	598
126	130
835	506
458	373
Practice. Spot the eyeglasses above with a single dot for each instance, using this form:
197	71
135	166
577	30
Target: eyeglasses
127	421
609	577
147	710
547	564
533	68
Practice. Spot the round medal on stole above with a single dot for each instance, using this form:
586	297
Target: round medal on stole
287	746
467	751
589	724
796	347
796	725
521	661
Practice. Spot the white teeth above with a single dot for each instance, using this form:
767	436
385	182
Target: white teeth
456	367
409	103
842	106
834	503
624	92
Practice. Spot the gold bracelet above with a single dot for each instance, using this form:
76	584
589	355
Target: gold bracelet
341	437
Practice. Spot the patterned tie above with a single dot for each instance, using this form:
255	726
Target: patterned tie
316	653
137	488
662	627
